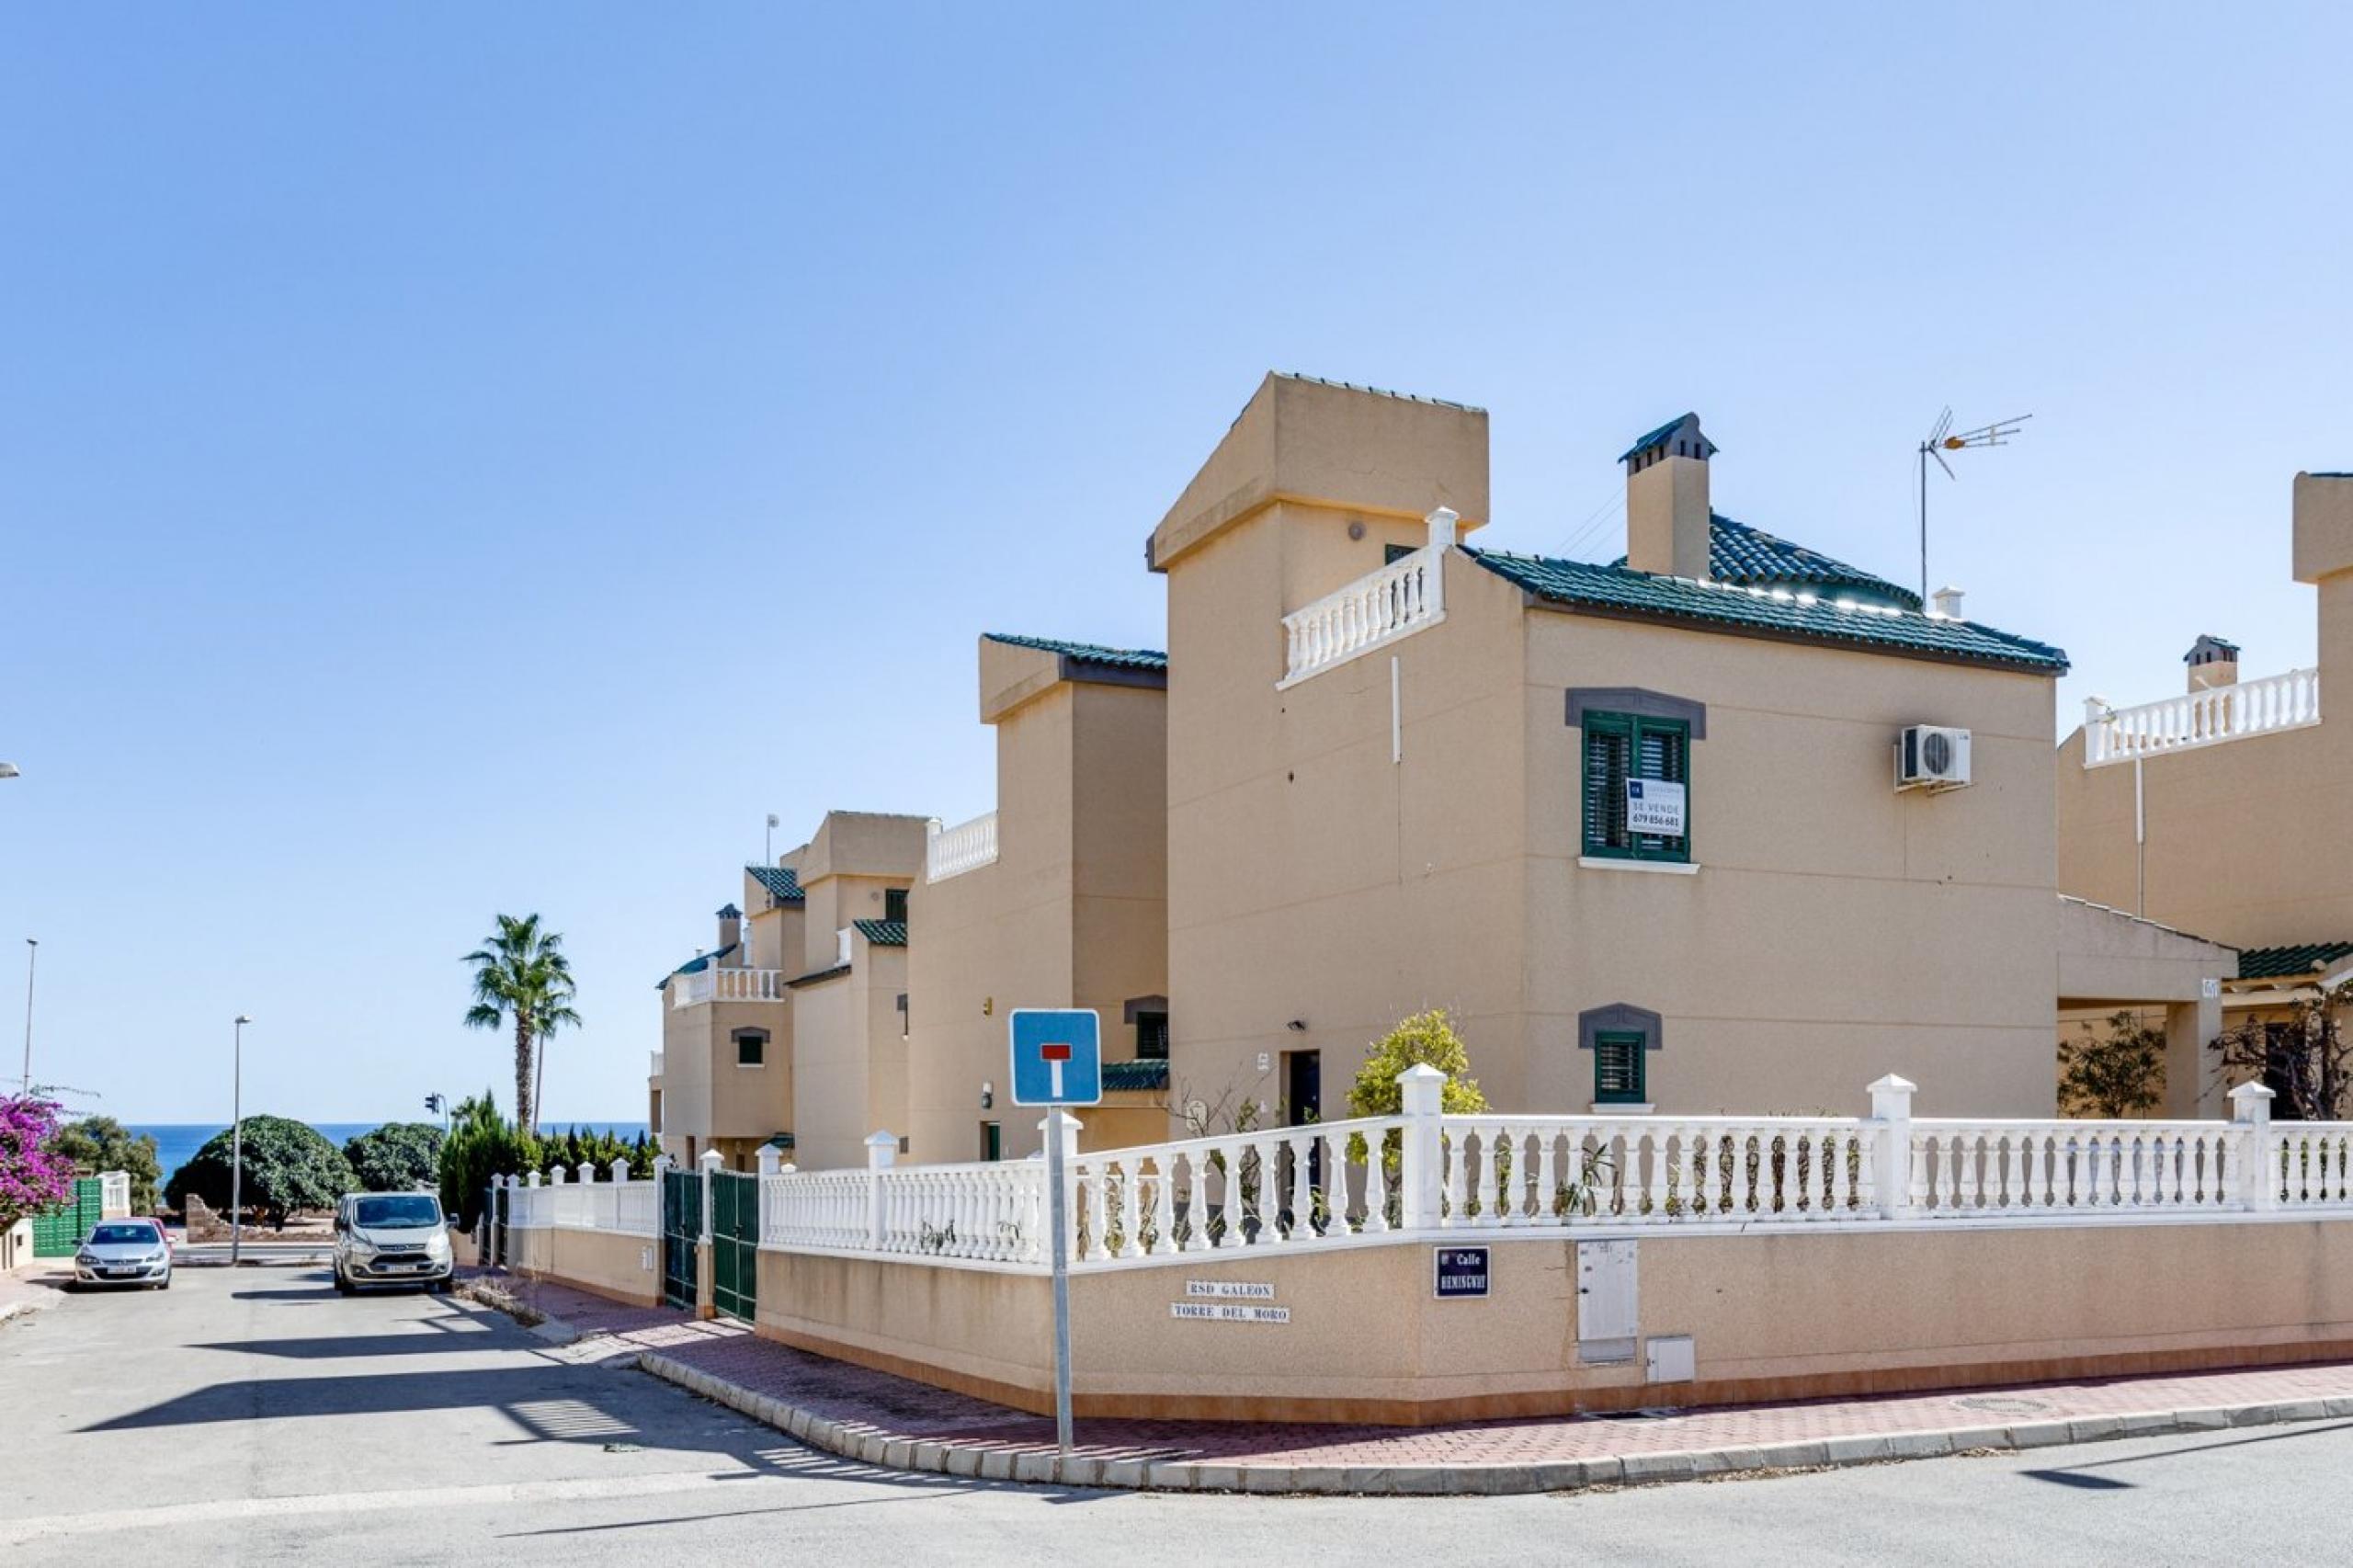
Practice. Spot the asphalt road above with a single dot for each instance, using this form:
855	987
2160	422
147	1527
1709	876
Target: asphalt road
253	1416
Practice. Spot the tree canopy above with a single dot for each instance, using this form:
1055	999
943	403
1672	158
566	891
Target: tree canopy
523	980
397	1157
98	1143
289	1165
482	1144
33	1175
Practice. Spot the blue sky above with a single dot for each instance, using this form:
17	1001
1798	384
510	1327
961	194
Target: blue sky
459	459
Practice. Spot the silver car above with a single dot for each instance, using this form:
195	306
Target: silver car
124	1251
391	1238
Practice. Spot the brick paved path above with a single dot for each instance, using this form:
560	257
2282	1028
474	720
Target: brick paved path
877	1417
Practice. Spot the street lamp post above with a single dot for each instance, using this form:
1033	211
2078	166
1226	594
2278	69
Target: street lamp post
237	1143
32	954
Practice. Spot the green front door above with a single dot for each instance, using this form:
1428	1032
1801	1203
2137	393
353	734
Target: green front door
735	1244
681	1234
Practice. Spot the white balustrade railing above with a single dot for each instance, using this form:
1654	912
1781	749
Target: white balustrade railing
953	851
715	983
1401	597
2205	717
1424	1174
2027	1168
817	1212
1619	1170
626	1208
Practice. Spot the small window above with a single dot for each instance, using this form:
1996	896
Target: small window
751	1047
992	1140
1392	553
1623	751
1152	1037
895	904
1617	1068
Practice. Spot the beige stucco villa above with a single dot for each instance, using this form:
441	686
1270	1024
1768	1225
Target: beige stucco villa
2224	808
1058	898
791	1031
1652	831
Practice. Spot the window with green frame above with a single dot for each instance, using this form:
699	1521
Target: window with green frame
1617	1068
1623	746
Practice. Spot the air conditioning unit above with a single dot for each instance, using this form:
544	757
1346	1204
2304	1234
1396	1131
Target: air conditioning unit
1930	756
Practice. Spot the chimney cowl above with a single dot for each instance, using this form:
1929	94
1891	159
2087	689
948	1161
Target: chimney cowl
1945	603
2213	663
1670	522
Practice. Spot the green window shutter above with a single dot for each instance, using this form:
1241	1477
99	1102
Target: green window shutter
1619	746
1608	749
1617	1069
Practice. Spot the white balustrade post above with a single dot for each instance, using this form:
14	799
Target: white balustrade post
881	1148
2258	1156
1892	1163
770	1157
662	1163
587	1173
1442	521
534	1180
620	1170
709	1161
555	1176
1421	1165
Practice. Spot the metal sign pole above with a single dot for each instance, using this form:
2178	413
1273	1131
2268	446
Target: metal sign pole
1059	1218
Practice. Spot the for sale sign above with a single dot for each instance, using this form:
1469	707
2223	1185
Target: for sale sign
1654	808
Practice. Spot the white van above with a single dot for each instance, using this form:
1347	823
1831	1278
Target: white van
391	1238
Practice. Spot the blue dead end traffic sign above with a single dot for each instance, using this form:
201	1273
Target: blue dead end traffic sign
1057	1056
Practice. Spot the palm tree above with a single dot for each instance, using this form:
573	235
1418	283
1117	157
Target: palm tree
522	977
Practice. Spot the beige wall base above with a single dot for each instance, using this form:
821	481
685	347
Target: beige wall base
1772	1316
598	1262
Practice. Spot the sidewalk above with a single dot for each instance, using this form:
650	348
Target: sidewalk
36	1285
881	1419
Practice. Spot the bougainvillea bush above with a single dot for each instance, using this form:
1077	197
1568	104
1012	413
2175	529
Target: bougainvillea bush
33	1178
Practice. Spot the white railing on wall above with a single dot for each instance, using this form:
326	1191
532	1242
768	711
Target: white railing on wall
953	851
716	983
2206	718
1376	610
575	1201
1422	1173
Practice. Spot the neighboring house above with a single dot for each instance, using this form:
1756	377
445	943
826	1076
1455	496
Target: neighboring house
1055	899
2225	809
792	1032
1638	826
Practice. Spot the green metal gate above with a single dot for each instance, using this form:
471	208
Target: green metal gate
735	1244
681	1232
59	1232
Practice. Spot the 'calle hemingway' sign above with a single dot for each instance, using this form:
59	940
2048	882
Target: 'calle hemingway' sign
1461	1271
1654	807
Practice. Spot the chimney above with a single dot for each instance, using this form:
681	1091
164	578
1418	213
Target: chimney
1667	500
731	926
2213	663
1946	603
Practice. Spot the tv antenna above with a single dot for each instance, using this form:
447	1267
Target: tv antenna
1941	441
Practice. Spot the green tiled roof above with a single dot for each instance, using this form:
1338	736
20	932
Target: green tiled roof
1753	558
883	933
2280	963
695	964
782	882
828	973
1089	652
1137	1074
1797	614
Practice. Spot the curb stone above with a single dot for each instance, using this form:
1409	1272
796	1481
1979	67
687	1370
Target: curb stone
1038	1467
